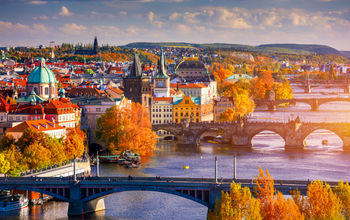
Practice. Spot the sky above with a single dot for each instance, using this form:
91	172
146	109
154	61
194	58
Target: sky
118	22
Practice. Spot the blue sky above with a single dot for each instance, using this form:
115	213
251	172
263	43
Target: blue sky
117	22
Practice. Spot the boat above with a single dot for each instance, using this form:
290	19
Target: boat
324	142
10	202
186	167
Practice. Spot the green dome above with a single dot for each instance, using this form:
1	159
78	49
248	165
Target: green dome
41	74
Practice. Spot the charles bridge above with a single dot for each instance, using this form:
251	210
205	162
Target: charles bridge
240	133
313	102
86	195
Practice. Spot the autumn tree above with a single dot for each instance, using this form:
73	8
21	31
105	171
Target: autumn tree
320	202
74	143
16	160
236	204
37	156
28	137
342	190
282	90
273	204
127	128
4	163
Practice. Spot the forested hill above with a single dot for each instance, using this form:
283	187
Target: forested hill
266	48
346	54
314	48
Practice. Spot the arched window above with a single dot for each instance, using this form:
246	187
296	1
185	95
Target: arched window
46	90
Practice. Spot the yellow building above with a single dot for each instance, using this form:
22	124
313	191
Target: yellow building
190	108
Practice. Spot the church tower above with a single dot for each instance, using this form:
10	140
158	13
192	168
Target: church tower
136	86
161	79
95	50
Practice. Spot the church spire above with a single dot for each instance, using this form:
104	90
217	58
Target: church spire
136	70
161	66
95	46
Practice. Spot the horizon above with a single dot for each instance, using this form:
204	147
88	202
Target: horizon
119	22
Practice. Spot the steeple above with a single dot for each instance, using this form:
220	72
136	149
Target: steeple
136	70
95	46
161	67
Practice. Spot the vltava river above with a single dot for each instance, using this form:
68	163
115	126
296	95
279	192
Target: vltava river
326	162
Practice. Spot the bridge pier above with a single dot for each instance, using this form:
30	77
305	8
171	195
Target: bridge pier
189	138
314	105
347	89
307	89
293	143
78	207
241	140
214	195
272	107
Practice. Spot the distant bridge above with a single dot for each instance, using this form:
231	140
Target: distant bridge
313	102
241	133
86	194
307	85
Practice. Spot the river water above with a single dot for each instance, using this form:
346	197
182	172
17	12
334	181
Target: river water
326	162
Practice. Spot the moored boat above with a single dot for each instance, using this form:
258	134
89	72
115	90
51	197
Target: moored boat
12	202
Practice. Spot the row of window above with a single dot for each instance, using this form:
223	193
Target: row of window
179	120
160	110
159	116
186	114
161	121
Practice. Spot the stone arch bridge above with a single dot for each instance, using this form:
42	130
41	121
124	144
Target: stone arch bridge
313	102
241	133
307	85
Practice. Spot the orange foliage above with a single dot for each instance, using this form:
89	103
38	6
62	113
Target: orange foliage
127	128
274	206
74	143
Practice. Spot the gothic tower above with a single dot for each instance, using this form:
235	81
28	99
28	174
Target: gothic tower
136	86
95	50
161	79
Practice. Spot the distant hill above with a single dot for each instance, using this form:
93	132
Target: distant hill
265	48
345	54
314	48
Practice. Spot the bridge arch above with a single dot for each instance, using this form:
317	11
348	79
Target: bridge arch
256	132
333	131
212	132
347	101
188	194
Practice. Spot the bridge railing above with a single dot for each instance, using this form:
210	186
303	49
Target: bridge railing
34	171
92	180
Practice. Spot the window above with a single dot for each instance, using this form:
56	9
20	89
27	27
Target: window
181	114
10	118
46	90
197	114
176	114
98	109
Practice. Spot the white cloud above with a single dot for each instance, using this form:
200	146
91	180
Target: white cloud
154	20
15	28
123	13
174	16
65	12
183	28
37	2
72	29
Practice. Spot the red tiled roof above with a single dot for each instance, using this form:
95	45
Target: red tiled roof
37	125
